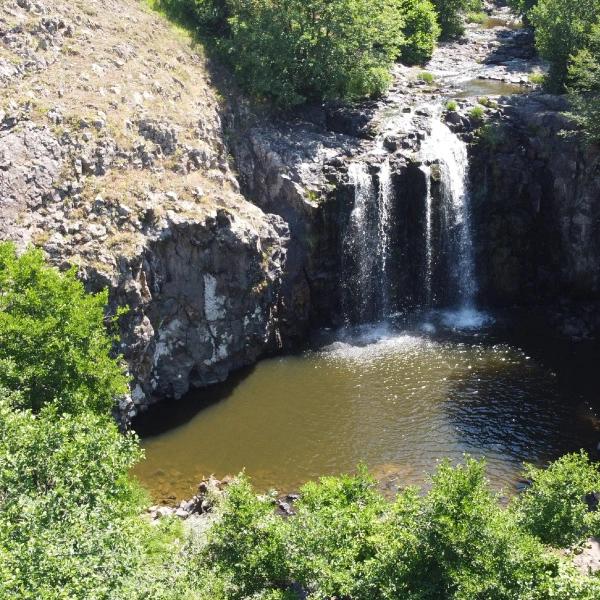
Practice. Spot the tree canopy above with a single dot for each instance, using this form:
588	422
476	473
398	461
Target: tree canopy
54	344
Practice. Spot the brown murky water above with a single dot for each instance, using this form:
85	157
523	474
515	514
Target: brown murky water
489	87
397	401
510	23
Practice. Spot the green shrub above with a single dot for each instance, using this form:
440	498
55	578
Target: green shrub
421	30
65	505
451	105
537	78
247	544
584	86
562	28
333	537
476	17
54	346
427	77
451	17
554	508
522	8
69	514
346	541
477	113
487	102
472	548
312	50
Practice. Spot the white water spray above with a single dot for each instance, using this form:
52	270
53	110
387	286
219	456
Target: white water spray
450	152
386	198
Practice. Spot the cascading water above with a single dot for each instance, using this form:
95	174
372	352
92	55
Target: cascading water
450	153
386	198
359	242
428	236
448	274
367	245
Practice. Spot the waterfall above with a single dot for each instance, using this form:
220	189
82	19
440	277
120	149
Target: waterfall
360	241
386	198
428	237
450	152
371	251
367	245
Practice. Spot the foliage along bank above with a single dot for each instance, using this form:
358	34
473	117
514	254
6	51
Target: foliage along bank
567	34
295	51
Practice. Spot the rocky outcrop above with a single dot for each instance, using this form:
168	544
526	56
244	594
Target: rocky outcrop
112	158
203	298
293	169
536	190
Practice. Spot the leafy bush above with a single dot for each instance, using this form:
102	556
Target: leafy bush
562	28
421	30
346	541
316	49
522	8
584	86
487	102
305	50
64	514
70	524
54	346
333	536
537	78
451	17
247	544
471	548
427	77
554	507
476	17
451	105
69	514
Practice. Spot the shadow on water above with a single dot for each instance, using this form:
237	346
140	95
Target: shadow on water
560	417
171	414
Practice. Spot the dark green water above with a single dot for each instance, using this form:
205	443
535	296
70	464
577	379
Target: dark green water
399	399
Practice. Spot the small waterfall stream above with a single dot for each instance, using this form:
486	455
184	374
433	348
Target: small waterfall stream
368	243
450	153
426	170
360	242
386	198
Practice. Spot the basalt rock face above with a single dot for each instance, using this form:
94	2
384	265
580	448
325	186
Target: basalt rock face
536	205
112	158
293	169
537	202
203	299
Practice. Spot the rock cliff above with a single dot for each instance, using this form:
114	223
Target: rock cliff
536	191
112	159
